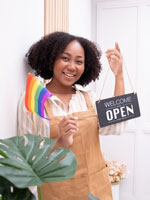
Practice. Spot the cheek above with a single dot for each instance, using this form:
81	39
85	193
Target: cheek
82	69
57	66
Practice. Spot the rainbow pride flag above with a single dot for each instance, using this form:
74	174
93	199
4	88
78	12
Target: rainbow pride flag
35	96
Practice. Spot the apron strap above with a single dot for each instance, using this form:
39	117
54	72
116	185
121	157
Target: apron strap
88	101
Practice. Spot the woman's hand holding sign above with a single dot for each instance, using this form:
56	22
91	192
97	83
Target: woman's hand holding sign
115	60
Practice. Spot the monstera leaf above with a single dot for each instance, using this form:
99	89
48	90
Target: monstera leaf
10	192
92	197
28	161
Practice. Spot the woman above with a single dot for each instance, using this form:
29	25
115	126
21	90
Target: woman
68	60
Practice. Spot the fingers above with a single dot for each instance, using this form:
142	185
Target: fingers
67	128
69	119
69	133
117	47
115	60
68	125
69	122
113	53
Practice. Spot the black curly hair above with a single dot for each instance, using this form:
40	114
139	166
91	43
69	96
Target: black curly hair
42	55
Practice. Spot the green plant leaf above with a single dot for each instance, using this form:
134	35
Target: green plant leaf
9	192
92	197
26	161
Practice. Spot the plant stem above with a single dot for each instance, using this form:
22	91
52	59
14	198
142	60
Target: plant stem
39	193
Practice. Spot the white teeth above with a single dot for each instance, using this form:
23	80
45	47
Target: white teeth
70	75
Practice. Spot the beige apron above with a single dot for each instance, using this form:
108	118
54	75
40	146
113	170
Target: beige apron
92	174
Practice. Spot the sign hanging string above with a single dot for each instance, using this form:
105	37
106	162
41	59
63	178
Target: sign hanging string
107	76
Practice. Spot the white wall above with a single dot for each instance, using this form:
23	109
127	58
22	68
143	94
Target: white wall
21	24
80	18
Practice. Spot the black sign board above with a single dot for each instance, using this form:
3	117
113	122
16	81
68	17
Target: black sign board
117	109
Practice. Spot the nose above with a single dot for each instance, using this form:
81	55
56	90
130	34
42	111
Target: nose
71	66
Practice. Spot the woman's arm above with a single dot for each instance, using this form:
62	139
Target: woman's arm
116	64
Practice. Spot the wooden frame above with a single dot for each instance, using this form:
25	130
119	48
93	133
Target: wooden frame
56	16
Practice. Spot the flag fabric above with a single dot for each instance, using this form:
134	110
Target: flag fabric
35	96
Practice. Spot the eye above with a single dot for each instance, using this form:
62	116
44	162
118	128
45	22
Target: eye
64	58
79	62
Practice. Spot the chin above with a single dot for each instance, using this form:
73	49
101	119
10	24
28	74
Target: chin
69	83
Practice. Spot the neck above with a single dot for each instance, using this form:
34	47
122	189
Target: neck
59	89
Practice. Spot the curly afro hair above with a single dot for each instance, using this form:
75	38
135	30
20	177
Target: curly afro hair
42	55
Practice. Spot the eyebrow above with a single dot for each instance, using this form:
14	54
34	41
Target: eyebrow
70	54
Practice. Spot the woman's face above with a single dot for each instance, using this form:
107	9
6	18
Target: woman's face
69	66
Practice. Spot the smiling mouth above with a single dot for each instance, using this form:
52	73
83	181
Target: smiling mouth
69	75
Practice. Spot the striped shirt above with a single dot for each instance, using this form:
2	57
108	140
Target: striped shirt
32	123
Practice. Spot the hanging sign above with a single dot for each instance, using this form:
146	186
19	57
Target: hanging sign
117	109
